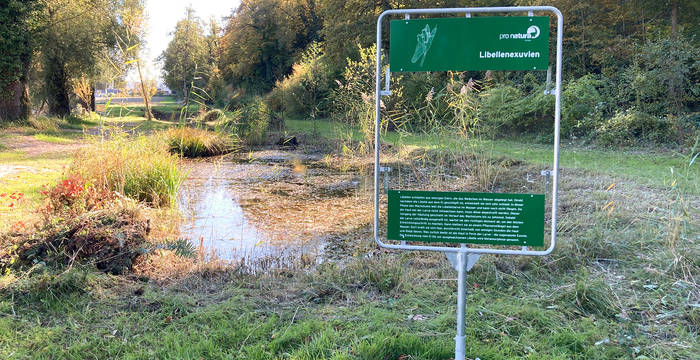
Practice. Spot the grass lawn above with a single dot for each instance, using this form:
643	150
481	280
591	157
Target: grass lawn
28	176
139	110
328	315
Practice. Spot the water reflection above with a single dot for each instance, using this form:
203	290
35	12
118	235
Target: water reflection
213	218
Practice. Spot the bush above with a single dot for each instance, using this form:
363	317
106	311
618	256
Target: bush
582	106
141	168
536	112
303	92
191	142
110	238
631	127
663	78
255	121
73	196
688	128
497	105
507	108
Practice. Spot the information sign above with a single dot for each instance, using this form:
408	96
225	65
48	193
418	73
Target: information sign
465	217
463	44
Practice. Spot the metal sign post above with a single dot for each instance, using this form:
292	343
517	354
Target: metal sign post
461	44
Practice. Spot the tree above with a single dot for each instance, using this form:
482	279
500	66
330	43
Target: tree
256	45
17	26
74	36
129	38
185	60
216	85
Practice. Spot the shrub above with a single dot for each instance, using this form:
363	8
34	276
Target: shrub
663	78
110	238
191	142
507	108
497	105
255	121
582	106
536	112
141	168
688	128
73	196
632	126
301	92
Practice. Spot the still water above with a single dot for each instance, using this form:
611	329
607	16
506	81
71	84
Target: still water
213	218
215	222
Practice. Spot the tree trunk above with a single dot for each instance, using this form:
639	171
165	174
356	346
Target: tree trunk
57	89
146	95
14	98
93	106
14	101
674	17
186	99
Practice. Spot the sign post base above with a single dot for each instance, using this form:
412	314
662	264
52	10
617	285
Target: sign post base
460	339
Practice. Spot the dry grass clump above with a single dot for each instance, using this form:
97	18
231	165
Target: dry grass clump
140	168
191	142
213	115
110	239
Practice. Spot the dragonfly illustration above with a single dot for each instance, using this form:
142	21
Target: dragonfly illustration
425	39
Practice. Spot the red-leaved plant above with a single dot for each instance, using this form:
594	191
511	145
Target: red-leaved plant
74	196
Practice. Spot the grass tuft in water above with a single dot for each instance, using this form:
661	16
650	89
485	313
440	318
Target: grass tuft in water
191	142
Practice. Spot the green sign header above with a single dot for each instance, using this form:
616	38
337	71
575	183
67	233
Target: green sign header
462	44
462	217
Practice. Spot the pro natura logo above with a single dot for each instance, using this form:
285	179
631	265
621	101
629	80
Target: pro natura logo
533	32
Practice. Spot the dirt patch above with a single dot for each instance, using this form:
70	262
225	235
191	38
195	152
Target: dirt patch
11	169
33	147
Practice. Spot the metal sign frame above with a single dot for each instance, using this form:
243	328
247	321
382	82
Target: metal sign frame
463	257
557	117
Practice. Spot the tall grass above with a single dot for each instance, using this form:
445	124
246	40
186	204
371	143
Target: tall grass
140	168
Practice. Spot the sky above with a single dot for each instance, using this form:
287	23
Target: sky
162	17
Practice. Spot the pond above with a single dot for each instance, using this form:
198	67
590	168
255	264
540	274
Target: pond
212	218
267	208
